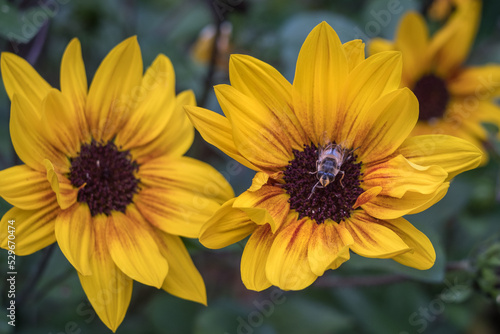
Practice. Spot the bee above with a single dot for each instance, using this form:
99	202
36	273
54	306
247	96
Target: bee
330	160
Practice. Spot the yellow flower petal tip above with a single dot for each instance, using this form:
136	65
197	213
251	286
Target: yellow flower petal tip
450	94
337	167
104	174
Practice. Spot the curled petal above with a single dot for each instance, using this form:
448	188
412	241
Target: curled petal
66	194
399	175
268	205
387	207
227	226
453	154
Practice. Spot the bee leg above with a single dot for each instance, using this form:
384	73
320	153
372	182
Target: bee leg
341	178
317	185
316	172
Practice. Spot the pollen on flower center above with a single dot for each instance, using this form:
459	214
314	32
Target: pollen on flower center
433	97
108	175
335	200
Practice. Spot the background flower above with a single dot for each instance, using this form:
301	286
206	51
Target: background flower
104	175
454	98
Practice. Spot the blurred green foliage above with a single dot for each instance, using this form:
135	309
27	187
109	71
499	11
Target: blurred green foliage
459	294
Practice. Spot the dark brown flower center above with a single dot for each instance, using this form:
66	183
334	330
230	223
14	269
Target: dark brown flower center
109	177
433	97
331	198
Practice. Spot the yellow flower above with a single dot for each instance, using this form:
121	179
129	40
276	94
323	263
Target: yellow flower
104	175
453	99
440	9
304	220
202	49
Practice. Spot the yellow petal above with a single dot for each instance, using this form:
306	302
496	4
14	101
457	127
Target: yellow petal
436	197
268	205
355	52
25	188
112	90
480	82
452	43
175	138
265	84
134	249
320	75
412	39
29	137
488	112
64	131
176	211
217	130
74	83
257	132
75	236
377	45
66	194
183	279
422	255
328	247
227	226
34	229
20	78
153	102
108	289
258	181
371	79
398	176
372	239
288	266
386	207
381	129
254	258
453	154
186	173
367	196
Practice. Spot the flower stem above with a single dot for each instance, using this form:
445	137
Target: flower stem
218	19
